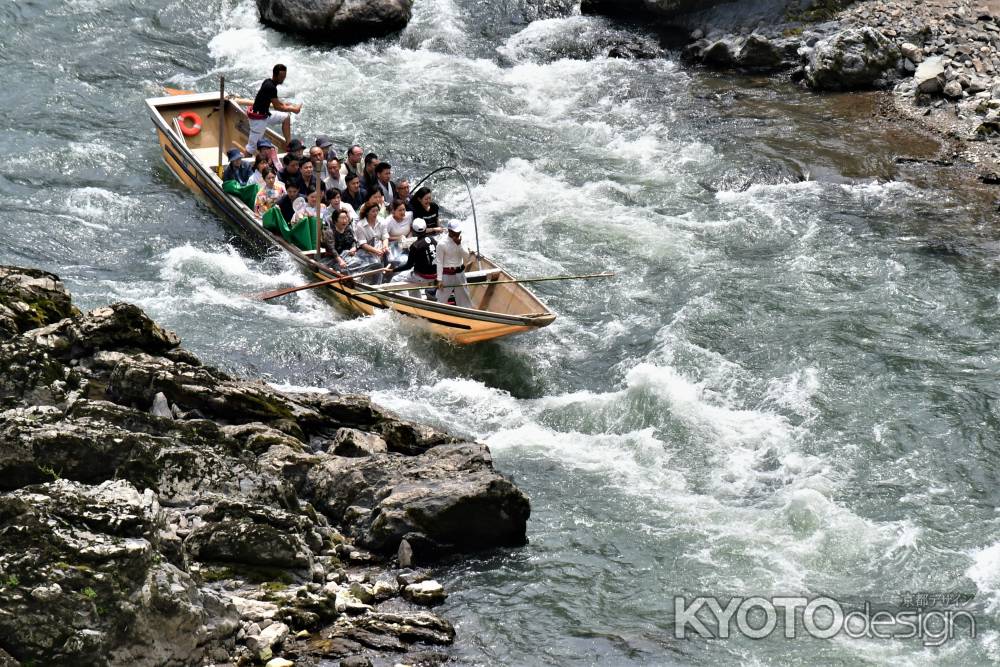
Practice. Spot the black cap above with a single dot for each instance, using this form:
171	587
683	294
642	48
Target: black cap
324	141
295	144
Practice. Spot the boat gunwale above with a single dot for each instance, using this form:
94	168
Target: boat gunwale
247	220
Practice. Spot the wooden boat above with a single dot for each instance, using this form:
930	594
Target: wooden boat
499	310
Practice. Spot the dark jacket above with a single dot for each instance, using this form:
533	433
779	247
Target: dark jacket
431	216
287	210
240	172
421	258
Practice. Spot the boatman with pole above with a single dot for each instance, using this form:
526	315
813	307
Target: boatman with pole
268	110
451	259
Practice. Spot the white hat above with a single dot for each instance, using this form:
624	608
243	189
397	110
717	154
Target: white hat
419	226
454	226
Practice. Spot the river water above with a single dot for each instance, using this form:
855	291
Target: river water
790	389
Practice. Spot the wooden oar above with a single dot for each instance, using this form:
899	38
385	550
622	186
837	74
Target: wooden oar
267	296
588	276
177	91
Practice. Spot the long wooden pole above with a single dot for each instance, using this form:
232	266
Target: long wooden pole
588	276
319	216
267	296
222	121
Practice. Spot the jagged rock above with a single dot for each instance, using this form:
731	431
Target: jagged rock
160	407
30	376
98	544
135	380
237	532
338	21
851	59
404	555
929	77
271	636
450	495
720	53
353	443
120	326
427	592
912	52
758	52
953	89
29	299
394	631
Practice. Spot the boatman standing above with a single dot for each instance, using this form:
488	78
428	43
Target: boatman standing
420	264
268	110
451	259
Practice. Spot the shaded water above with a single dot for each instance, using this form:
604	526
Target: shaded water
790	389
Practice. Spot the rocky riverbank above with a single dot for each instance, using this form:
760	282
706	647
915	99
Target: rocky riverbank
937	60
157	511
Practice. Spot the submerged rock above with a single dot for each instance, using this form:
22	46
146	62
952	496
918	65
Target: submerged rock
339	21
852	59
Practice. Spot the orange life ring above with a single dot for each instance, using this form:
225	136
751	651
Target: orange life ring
194	128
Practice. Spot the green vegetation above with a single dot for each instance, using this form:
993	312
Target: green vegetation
89	593
50	472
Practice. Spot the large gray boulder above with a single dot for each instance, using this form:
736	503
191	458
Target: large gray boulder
852	59
83	583
450	497
341	21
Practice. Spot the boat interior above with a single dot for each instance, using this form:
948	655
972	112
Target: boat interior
508	299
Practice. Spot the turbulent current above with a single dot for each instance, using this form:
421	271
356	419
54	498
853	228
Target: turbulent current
791	388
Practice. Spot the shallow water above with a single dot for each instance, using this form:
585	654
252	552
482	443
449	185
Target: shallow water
791	387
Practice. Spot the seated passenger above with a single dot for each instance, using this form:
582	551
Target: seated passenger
267	149
420	268
398	225
260	163
352	162
307	211
403	191
295	148
383	181
333	178
237	170
376	199
373	239
308	180
318	158
326	143
291	169
368	177
423	206
335	203
339	241
287	203
268	195
352	195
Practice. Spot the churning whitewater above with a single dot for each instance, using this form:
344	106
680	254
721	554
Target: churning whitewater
787	390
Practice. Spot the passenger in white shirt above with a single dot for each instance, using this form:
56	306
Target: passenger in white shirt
398	224
451	259
334	179
372	237
335	203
